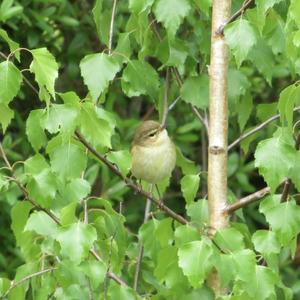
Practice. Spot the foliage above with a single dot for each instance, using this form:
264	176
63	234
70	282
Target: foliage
71	226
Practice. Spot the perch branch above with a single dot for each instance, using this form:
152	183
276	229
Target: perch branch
247	200
130	182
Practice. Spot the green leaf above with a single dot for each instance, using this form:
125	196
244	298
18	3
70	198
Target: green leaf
68	161
167	269
229	239
284	218
187	166
294	11
61	118
76	240
204	5
6	115
12	44
171	14
185	234
139	6
95	127
42	182
198	212
262	57
238	84
189	187
122	159
237	31
244	109
45	70
41	223
34	130
264	5
76	190
19	215
133	79
8	11
117	291
295	172
195	91
265	281
156	234
42	187
10	81
195	260
97	71
265	242
267	155
67	214
288	97
97	10
95	270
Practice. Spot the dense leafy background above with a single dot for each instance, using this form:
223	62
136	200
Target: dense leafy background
65	77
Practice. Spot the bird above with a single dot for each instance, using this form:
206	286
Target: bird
153	153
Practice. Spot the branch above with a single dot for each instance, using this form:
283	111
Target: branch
28	277
130	182
111	29
246	4
166	97
141	250
258	128
247	200
286	189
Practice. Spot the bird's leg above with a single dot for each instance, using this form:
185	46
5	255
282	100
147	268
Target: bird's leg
161	201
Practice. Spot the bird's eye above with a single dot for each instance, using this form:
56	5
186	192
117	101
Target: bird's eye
152	134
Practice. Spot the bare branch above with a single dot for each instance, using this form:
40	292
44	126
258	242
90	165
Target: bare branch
28	277
257	128
111	29
247	200
130	182
246	4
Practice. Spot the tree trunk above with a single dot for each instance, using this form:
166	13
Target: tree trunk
218	126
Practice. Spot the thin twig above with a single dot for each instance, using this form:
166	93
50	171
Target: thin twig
201	118
111	29
246	4
141	246
286	189
28	277
247	200
172	105
130	182
166	98
106	281
257	128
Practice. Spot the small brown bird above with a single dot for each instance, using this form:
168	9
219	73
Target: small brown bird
153	153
